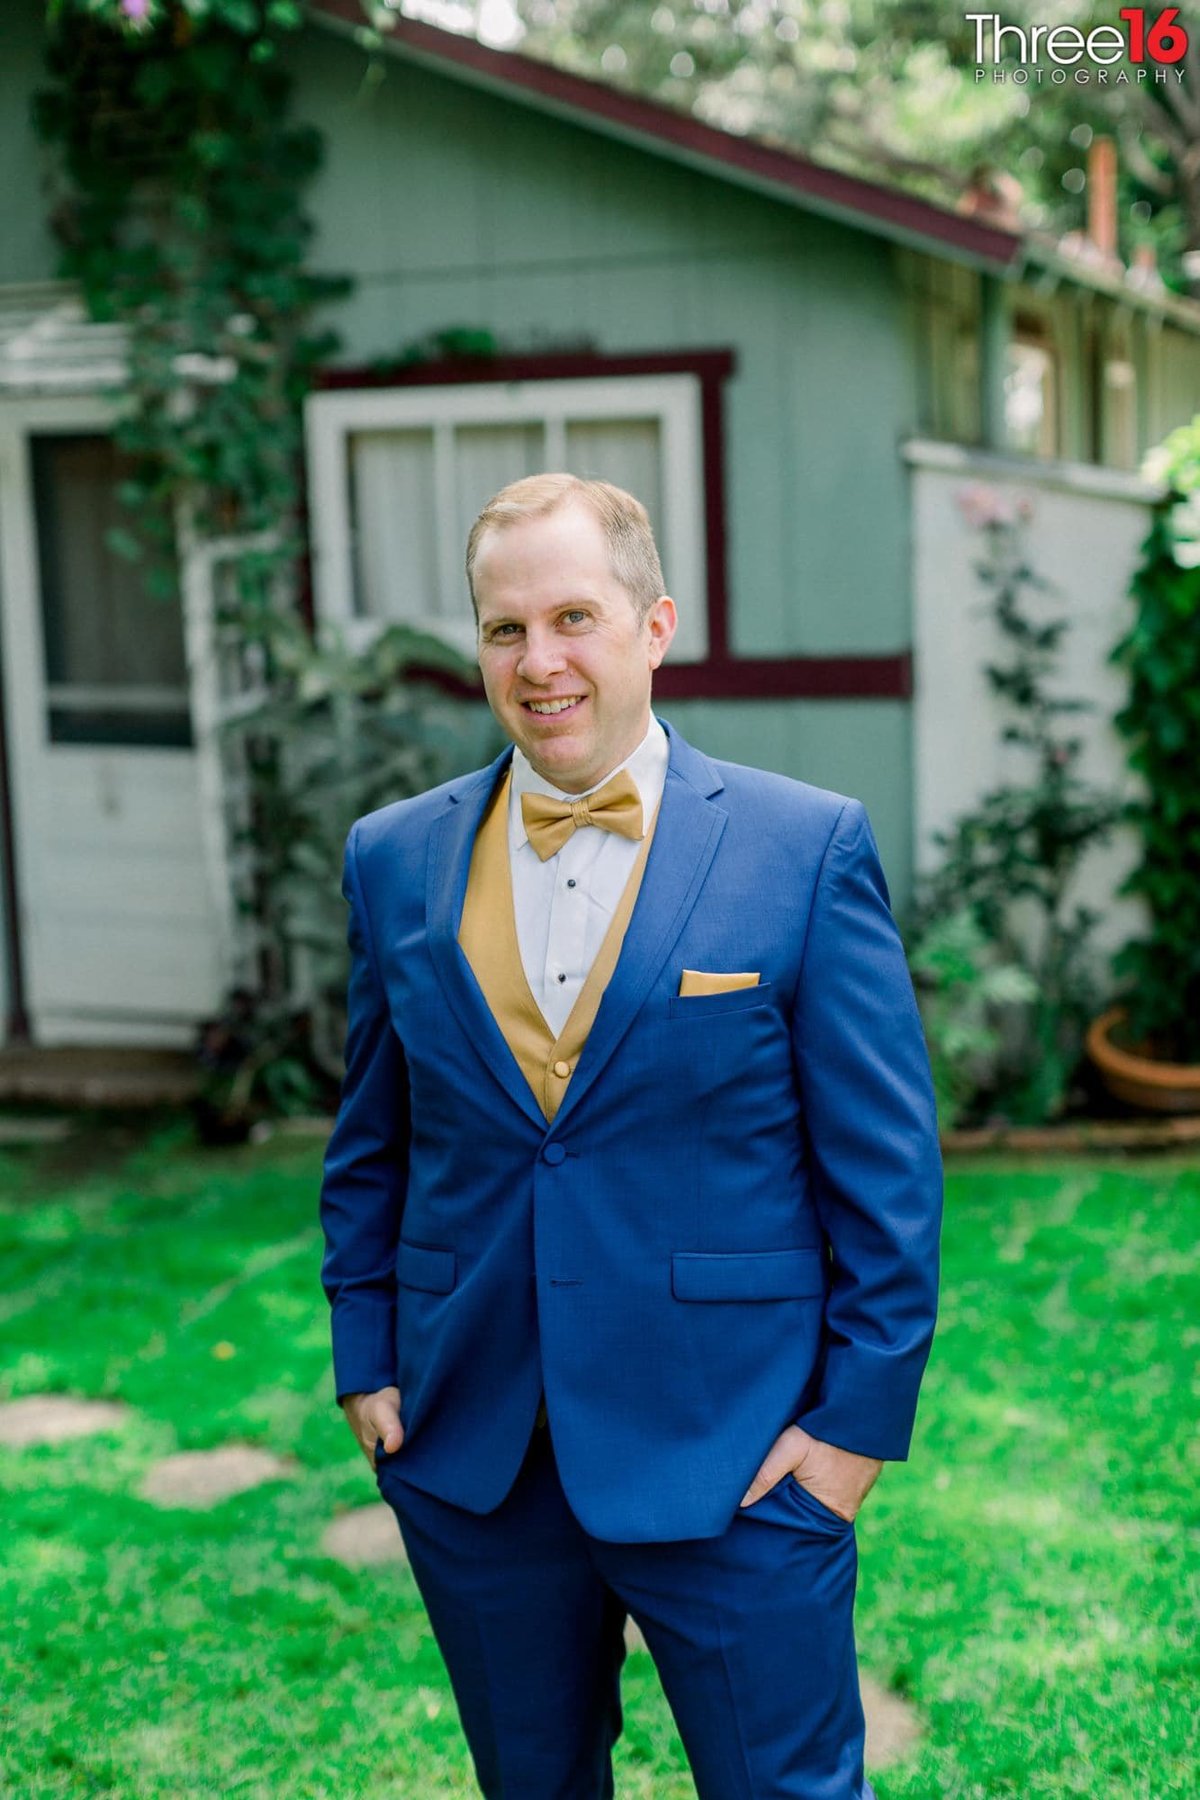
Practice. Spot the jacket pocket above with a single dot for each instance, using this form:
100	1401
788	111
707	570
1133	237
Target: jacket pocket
748	1274
422	1266
703	1006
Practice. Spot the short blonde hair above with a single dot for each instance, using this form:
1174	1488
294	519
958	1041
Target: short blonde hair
632	552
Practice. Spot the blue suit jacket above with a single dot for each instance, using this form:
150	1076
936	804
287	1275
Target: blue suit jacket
732	1222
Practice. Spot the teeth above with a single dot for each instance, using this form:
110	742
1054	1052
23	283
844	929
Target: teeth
553	706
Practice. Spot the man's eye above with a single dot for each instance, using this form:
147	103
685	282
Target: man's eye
575	613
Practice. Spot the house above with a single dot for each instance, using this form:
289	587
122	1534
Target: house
798	370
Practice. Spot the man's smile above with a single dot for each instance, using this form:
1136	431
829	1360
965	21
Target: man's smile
552	708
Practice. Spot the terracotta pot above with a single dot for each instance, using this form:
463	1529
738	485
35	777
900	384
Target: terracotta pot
1138	1079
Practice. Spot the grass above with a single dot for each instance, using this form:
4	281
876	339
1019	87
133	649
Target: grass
1025	1577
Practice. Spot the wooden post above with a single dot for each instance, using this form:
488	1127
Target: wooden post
993	362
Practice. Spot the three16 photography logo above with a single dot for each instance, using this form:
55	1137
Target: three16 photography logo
1148	45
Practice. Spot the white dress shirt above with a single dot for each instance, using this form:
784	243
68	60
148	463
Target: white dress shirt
565	905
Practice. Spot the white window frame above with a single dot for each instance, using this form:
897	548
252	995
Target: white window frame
330	418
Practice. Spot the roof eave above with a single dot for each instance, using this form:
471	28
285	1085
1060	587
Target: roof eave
1165	305
779	174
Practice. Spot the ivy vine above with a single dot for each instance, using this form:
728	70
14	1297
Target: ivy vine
1159	654
176	194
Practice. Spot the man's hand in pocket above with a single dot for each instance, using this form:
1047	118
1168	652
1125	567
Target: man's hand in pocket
839	1479
375	1416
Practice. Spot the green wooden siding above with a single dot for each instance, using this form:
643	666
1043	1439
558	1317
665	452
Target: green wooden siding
27	251
455	207
857	747
1178	392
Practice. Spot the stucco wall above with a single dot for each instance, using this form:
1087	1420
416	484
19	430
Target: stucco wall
1083	536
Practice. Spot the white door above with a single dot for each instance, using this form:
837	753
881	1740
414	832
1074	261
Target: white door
121	931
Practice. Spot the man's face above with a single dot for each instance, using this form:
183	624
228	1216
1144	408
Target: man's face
566	662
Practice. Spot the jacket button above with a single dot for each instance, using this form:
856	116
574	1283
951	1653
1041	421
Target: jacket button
562	1070
554	1154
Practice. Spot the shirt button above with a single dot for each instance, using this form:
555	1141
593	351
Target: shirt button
554	1154
562	978
571	882
562	1070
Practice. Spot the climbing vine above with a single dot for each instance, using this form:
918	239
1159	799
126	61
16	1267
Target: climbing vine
176	182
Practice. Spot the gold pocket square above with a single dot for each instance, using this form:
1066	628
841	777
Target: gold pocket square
698	981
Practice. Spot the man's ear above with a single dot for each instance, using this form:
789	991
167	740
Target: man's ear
661	622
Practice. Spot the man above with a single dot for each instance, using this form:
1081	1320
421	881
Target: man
632	1201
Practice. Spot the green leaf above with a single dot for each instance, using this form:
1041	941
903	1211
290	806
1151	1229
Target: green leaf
124	544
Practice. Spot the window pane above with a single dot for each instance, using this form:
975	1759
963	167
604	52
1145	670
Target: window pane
627	452
393	515
487	458
168	727
115	666
1030	398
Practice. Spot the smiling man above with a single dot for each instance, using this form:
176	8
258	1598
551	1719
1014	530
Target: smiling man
632	1200
567	644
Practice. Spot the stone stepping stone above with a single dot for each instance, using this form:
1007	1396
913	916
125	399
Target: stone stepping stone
55	1418
201	1478
892	1725
364	1536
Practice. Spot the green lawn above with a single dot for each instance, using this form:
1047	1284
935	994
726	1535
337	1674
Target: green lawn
1025	1577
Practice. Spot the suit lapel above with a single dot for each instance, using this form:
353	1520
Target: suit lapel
685	841
451	841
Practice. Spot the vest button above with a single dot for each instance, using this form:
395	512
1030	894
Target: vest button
562	1070
554	1154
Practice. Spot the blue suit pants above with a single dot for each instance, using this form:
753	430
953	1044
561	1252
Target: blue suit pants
751	1632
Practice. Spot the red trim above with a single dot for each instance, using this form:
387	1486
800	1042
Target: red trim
722	675
752	678
791	175
712	366
788	678
712	444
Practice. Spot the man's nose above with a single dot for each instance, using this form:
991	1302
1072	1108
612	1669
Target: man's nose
541	656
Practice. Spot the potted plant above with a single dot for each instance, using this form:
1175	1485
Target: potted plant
1147	1048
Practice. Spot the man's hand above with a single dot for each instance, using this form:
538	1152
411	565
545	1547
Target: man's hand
375	1416
839	1479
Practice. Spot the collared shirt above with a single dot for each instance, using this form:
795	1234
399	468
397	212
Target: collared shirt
565	905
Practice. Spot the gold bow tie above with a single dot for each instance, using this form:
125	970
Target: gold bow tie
617	806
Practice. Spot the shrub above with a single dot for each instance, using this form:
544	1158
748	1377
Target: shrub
1011	862
1160	653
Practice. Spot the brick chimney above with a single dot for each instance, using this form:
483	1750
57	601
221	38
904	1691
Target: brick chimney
1102	197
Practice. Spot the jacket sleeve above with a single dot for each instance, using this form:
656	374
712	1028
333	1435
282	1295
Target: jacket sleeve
366	1166
875	1164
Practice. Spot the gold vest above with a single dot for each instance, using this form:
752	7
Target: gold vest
488	937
